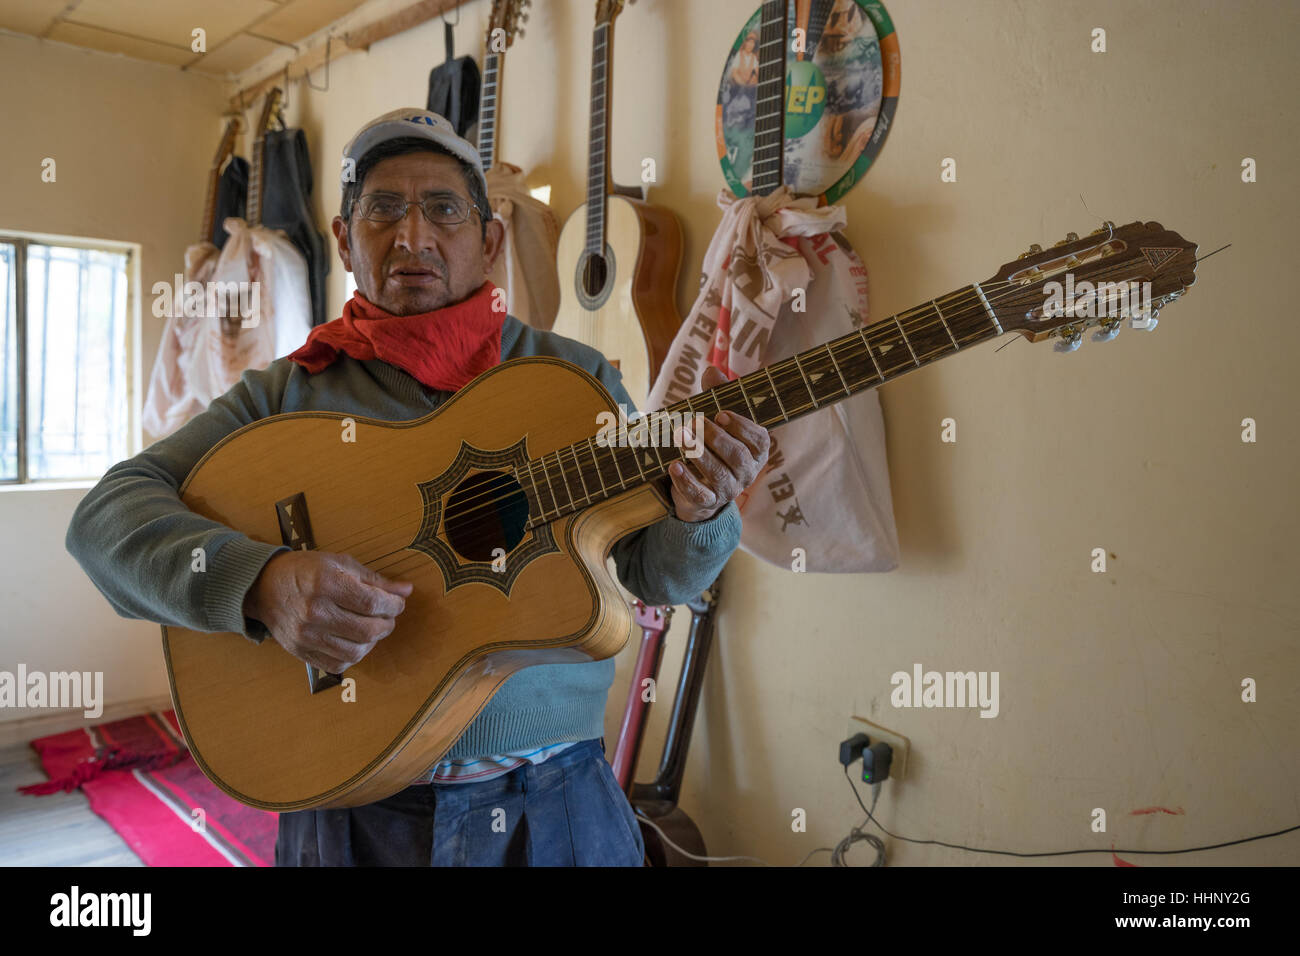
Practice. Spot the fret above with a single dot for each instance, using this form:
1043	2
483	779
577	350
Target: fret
776	392
613	454
806	384
830	354
906	342
577	466
547	475
528	470
559	461
939	313
870	354
635	460
750	410
596	464
980	292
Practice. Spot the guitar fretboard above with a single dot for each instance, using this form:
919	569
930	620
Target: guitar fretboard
210	206
254	213
487	126
769	109
598	158
590	471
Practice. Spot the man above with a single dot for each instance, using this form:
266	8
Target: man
420	326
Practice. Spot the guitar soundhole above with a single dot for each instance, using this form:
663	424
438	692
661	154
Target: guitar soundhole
486	511
595	278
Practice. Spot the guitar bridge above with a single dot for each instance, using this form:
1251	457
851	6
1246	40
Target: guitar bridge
295	531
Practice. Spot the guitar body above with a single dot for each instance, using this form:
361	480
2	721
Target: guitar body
622	304
252	721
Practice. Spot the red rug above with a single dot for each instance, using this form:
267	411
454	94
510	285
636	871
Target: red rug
139	776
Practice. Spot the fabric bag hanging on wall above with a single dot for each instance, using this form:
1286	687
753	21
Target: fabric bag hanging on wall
825	489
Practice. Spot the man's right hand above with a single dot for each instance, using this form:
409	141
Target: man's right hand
326	609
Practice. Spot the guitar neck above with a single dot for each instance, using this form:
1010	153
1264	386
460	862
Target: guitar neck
584	473
493	66
210	206
598	183
769	110
254	212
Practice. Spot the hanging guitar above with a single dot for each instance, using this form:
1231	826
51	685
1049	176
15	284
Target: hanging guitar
512	462
618	256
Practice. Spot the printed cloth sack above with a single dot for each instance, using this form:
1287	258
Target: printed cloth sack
779	279
525	268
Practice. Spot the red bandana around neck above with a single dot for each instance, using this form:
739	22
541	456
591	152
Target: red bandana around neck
445	349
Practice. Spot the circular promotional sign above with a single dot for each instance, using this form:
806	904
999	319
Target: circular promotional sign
839	102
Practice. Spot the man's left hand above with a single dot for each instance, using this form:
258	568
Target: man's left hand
735	450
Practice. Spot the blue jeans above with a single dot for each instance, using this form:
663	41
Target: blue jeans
566	811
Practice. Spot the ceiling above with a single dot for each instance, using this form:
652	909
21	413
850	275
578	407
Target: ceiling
240	33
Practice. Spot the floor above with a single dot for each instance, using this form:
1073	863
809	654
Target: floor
58	829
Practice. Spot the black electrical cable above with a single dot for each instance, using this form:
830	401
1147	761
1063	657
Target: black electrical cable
972	849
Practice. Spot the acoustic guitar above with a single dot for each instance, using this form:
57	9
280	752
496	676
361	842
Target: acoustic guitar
502	507
618	255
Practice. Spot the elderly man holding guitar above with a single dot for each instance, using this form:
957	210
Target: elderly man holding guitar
517	775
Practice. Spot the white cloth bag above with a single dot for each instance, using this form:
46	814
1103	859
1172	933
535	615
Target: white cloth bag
823	501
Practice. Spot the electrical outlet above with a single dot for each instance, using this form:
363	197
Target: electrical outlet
900	744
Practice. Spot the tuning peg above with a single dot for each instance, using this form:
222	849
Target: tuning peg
523	32
523	17
1107	330
1070	338
1034	250
1069	237
1106	227
1146	321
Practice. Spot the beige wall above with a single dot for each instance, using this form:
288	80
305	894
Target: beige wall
132	142
1118	690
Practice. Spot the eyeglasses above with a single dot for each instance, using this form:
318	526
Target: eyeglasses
447	209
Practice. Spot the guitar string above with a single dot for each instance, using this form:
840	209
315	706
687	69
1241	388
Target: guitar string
958	318
508	479
640	425
966	340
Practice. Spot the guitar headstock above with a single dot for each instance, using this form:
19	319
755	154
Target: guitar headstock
270	110
607	10
508	16
1113	274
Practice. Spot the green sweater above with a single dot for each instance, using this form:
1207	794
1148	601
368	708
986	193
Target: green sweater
131	534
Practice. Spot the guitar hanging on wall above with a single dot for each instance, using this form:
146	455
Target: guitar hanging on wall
512	461
619	255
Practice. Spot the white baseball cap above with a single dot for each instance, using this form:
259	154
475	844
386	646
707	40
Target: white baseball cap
409	121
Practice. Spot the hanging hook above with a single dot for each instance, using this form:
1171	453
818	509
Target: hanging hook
443	15
306	74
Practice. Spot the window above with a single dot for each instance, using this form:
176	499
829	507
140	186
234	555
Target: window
64	398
